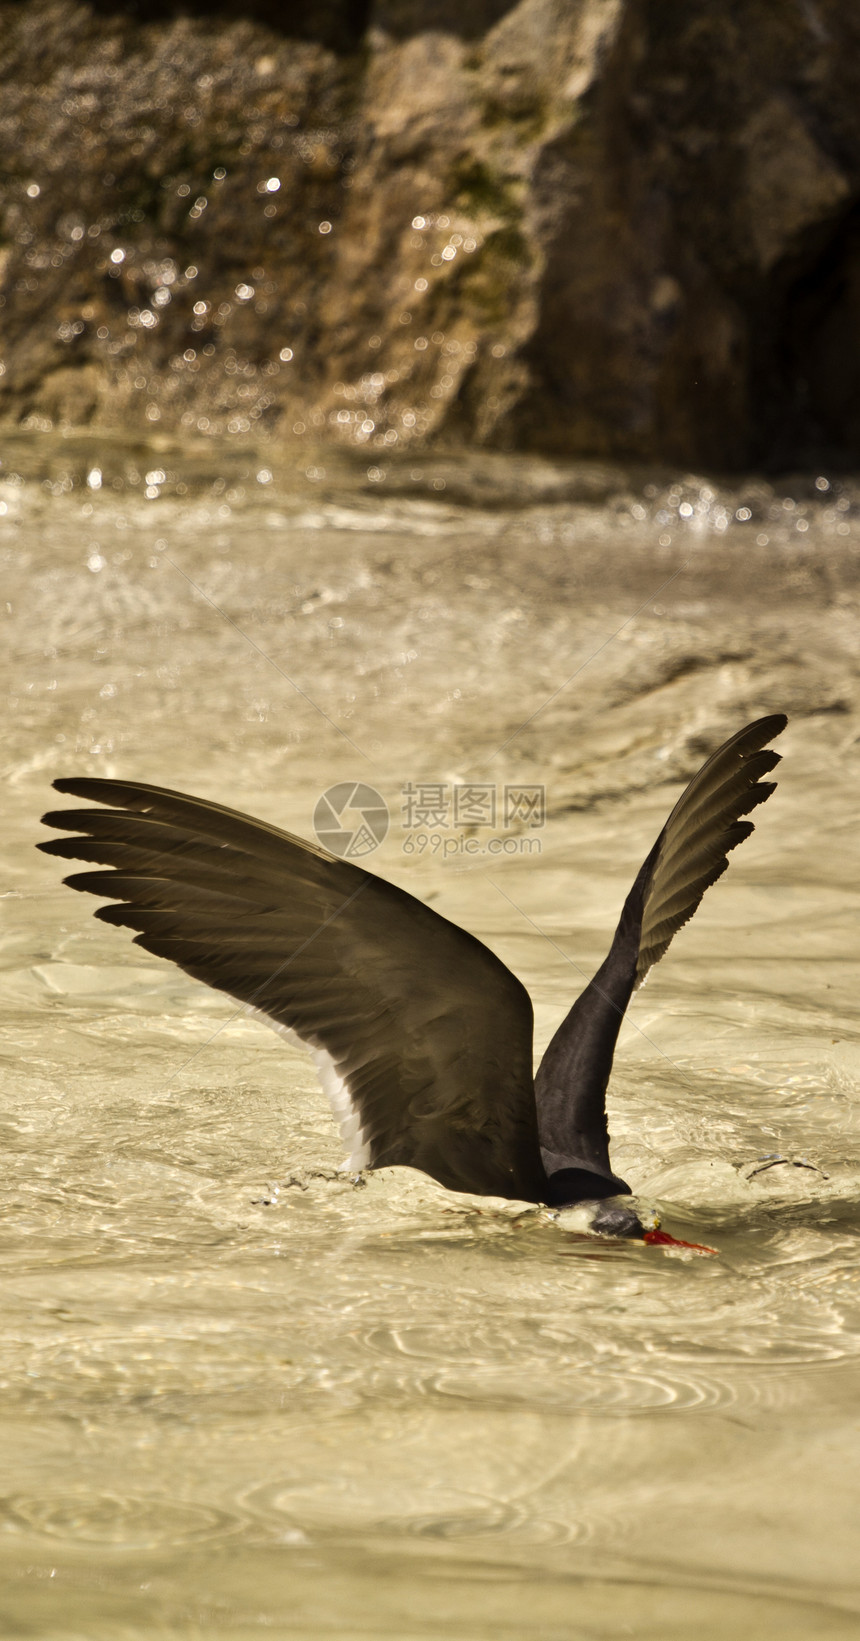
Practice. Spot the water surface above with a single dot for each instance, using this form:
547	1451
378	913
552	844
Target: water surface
245	1393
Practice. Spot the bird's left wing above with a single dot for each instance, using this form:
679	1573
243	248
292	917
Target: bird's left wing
691	853
423	1035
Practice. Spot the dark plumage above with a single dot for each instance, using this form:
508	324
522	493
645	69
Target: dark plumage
423	1036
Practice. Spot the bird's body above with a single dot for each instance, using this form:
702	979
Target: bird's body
422	1036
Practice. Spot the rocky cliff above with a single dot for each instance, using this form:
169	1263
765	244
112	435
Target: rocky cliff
609	227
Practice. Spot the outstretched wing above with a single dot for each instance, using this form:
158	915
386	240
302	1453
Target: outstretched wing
423	1035
705	824
690	854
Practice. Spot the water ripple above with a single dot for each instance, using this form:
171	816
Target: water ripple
115	1520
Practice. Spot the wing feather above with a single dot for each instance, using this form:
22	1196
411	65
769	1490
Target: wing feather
425	1033
703	828
690	854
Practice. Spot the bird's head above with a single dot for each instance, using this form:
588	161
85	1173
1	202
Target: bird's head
618	1217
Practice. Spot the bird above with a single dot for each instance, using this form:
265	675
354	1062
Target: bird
423	1038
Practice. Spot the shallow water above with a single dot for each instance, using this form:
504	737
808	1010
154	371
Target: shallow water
243	1392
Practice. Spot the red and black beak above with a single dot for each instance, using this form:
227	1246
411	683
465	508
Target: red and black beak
662	1239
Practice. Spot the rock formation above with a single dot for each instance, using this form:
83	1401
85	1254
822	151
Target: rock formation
602	227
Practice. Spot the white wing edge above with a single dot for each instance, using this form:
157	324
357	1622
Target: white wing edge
336	1089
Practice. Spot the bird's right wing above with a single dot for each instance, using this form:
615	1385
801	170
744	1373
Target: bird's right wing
689	855
426	1035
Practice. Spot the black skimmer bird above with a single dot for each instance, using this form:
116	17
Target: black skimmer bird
422	1036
